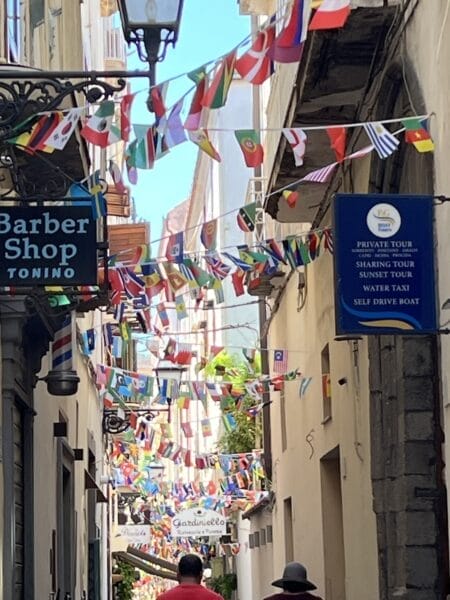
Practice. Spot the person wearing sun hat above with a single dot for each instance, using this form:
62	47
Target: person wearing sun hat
295	584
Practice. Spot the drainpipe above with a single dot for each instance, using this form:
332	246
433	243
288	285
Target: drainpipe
262	314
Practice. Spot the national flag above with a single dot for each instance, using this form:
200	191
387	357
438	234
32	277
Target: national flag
158	95
119	312
184	354
328	240
206	427
183	402
171	128
216	266
36	137
217	92
208	234
144	318
272	248
237	279
175	247
288	45
304	384
116	176
180	307
240	264
187	430
96	187
255	65
291	197
360	153
384	142
218	291
185	270
320	175
250	143
117	346
201	276
417	134
338	140
64	129
331	14
280	361
174	277
144	153
133	285
125	116
229	422
201	139
297	139
249	354
162	314
193	119
246	217
99	129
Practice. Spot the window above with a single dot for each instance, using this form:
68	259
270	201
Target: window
326	385
288	530
13	30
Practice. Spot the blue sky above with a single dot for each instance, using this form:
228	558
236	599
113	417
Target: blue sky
209	28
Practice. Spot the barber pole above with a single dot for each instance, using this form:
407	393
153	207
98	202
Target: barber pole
62	355
62	380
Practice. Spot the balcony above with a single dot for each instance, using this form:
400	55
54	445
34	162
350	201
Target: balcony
330	86
114	44
118	203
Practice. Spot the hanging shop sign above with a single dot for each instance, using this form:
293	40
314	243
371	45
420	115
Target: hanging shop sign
198	522
47	245
384	264
134	534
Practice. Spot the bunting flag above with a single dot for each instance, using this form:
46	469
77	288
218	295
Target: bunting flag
184	354
417	134
171	128
214	351
304	385
201	139
288	45
99	129
174	277
338	140
60	135
125	116
99	204
206	427
183	403
246	217
217	92
158	98
175	247
331	14
186	428
250	144
117	346
237	279
116	176
320	175
133	285
193	120
280	361
249	354
384	142
255	65
216	266
180	307
229	422
162	314
36	137
208	234
291	197
297	140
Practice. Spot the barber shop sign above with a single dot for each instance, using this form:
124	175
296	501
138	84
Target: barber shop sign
47	245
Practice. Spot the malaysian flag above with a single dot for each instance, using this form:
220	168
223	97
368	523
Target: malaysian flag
280	361
384	141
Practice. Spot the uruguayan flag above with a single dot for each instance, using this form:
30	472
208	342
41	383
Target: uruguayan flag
385	143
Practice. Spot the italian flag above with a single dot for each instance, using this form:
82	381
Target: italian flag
99	129
331	14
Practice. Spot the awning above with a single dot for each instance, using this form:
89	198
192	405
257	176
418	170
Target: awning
126	557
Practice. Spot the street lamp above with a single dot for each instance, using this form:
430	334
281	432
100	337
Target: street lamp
168	370
150	24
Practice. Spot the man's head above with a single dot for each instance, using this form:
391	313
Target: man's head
190	568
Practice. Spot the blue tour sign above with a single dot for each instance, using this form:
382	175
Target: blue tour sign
384	264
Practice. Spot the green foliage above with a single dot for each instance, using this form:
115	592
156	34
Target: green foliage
245	436
224	585
125	587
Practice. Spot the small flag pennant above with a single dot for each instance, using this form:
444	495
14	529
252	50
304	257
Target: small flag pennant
255	65
250	143
201	139
338	140
206	427
99	129
280	361
291	197
180	307
331	14
288	45
217	92
62	132
417	134
297	139
246	217
208	235
384	142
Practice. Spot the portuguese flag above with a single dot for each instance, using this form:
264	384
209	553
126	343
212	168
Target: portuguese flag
417	134
250	143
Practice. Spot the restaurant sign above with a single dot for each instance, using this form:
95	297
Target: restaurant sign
198	522
384	264
47	245
134	535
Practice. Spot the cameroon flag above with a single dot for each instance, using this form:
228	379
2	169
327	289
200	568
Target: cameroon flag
417	134
251	147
